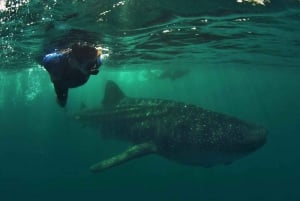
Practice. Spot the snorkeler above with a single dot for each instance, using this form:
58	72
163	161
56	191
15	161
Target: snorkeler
71	68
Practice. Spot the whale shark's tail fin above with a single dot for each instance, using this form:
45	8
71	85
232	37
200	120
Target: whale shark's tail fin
113	94
131	153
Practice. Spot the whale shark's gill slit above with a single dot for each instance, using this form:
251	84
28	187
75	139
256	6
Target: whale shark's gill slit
131	153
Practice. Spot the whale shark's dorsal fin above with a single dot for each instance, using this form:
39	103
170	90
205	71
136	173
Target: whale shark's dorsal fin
112	95
132	152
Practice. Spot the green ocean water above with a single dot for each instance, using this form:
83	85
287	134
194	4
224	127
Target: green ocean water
234	58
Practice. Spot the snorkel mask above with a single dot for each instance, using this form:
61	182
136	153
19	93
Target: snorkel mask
90	67
93	67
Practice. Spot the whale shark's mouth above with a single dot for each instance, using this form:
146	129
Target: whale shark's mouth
253	140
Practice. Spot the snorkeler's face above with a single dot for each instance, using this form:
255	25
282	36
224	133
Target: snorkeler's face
91	66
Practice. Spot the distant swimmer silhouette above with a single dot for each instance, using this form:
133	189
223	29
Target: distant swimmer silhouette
72	68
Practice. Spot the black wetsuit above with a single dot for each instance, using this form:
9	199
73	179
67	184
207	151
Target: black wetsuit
63	75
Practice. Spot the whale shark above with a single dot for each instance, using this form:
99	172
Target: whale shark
181	132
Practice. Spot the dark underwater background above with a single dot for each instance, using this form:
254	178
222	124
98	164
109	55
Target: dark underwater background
236	57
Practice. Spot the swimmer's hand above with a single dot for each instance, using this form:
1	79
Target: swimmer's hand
94	71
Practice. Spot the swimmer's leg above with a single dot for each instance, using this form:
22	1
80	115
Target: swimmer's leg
61	94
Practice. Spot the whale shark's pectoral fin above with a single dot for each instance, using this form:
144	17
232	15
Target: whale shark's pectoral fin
131	153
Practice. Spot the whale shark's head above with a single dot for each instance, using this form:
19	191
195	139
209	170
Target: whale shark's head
252	140
219	140
246	140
